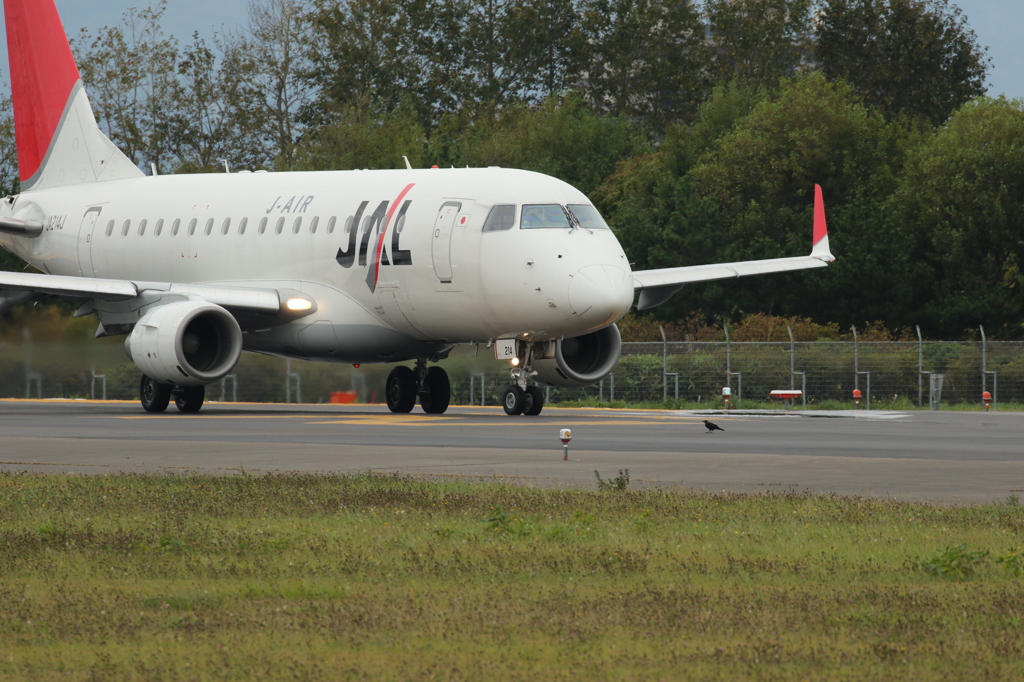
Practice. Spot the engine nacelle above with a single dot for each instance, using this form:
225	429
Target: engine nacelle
188	343
581	360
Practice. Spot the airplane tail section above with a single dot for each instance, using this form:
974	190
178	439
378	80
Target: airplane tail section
58	140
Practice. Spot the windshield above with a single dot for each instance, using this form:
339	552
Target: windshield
588	216
501	217
544	215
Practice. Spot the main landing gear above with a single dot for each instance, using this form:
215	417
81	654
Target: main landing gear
156	396
431	385
521	398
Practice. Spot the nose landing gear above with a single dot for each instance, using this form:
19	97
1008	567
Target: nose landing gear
520	397
431	385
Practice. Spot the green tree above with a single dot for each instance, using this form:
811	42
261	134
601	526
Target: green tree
270	57
762	172
518	50
9	179
562	137
962	197
761	175
361	138
749	196
758	41
916	58
645	60
130	73
218	112
364	52
9	183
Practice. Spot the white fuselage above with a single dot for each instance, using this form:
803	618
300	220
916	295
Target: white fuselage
441	280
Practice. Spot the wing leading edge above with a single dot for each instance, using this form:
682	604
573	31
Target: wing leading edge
657	286
18	287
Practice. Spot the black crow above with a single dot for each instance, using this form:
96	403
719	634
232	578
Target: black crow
712	427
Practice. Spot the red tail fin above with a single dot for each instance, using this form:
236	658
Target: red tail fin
43	74
819	216
819	238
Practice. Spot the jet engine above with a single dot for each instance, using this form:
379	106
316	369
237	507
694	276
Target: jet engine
580	360
187	343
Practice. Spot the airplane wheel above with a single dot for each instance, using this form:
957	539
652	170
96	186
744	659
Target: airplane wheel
533	401
400	389
513	400
437	391
155	396
189	399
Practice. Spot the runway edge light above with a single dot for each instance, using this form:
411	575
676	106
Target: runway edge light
565	435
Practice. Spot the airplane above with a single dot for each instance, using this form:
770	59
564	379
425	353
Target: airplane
355	266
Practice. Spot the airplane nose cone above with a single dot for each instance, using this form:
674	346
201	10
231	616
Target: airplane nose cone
601	294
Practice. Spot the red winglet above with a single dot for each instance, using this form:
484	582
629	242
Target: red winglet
43	74
820	231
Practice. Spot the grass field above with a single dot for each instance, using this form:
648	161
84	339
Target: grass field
378	577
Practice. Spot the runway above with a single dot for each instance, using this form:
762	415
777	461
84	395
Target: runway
940	456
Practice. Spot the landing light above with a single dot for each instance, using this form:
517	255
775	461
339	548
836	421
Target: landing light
515	362
298	304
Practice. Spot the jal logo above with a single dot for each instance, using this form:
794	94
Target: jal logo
367	234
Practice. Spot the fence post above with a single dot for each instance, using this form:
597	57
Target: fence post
920	369
728	358
92	386
867	405
664	364
792	358
856	359
984	369
288	376
224	388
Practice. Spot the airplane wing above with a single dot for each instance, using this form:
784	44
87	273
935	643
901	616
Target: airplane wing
657	286
18	287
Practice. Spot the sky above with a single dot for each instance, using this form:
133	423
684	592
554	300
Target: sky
998	23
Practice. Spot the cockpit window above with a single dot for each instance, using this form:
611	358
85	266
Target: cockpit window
544	215
588	216
501	217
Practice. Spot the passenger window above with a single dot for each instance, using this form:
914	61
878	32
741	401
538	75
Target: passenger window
263	226
280	225
142	228
241	225
587	216
209	227
174	227
501	217
192	226
297	226
331	223
110	228
159	228
543	216
226	226
124	228
312	225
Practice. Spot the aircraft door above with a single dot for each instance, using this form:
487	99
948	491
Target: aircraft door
85	233
441	241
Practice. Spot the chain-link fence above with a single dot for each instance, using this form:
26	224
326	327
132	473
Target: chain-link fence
890	374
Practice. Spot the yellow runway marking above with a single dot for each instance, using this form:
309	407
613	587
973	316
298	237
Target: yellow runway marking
384	420
421	420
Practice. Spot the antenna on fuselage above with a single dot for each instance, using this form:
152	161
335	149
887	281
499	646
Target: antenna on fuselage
152	167
226	169
408	166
